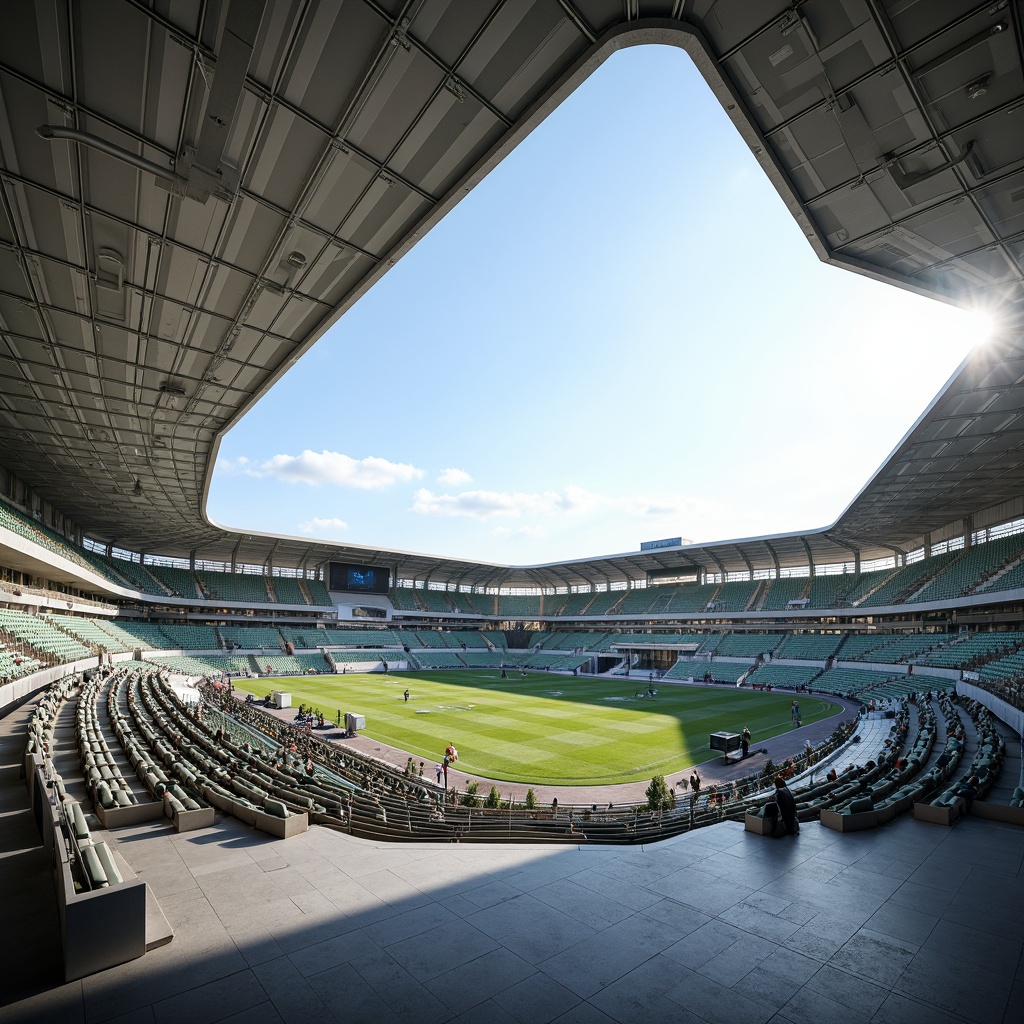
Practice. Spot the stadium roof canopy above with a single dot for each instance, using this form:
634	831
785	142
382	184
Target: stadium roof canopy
194	191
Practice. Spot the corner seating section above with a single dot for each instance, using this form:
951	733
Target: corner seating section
107	915
201	768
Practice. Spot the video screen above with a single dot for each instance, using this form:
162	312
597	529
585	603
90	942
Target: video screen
365	579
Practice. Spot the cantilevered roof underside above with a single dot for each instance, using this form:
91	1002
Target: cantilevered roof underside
219	181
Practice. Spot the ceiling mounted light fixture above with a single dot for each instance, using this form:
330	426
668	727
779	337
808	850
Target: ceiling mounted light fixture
976	89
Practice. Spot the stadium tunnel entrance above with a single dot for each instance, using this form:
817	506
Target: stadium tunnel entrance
658	657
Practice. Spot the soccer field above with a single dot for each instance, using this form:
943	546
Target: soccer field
549	729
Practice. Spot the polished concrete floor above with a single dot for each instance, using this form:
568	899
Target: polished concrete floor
909	923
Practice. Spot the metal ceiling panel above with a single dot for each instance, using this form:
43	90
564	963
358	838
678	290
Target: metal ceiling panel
147	300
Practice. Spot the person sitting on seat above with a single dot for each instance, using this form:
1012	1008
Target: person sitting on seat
787	806
968	790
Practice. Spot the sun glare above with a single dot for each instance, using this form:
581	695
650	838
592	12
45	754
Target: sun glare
982	327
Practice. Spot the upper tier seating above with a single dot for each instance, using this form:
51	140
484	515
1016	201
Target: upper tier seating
867	582
477	604
736	596
287	590
436	600
692	597
180	582
403	599
576	604
25	526
1011	579
318	592
519	606
781	592
639	601
238	587
605	602
139	577
971	568
902	584
832	591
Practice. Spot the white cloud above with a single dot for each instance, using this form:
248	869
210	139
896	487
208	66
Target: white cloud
452	477
232	467
369	474
318	526
571	500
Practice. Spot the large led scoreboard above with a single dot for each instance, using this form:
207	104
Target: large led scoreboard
359	579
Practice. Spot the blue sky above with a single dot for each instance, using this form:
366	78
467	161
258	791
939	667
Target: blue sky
620	335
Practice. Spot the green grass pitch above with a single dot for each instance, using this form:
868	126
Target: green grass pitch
549	729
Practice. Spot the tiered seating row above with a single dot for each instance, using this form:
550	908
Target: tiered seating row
903	583
742	645
107	787
226	586
969	649
970	569
790	676
90	632
14	663
956	798
808	646
201	765
43	636
781	592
